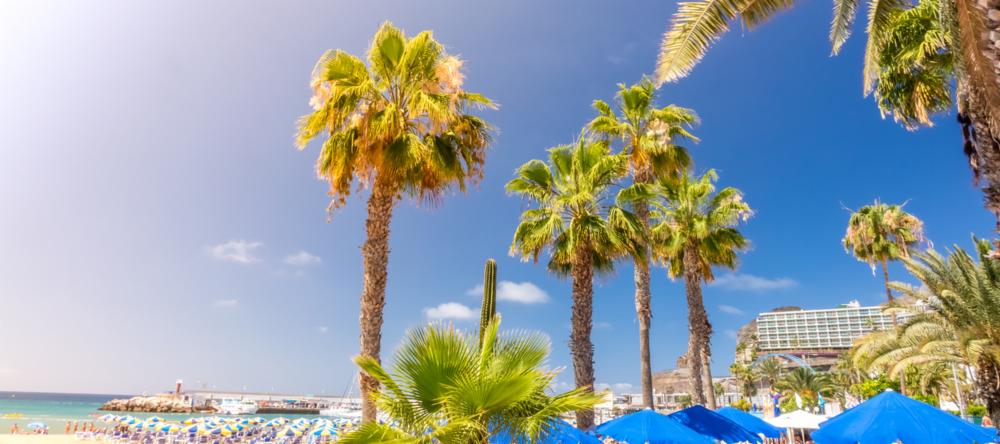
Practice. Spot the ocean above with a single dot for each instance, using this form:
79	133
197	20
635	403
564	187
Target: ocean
55	410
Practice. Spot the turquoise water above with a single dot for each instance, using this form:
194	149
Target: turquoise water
56	409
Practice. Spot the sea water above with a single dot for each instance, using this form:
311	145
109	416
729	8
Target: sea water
55	410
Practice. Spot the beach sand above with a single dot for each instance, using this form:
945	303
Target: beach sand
40	439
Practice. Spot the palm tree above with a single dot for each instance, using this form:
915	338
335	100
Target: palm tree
583	231
879	233
769	370
806	383
966	293
954	40
694	230
746	377
399	125
648	134
445	388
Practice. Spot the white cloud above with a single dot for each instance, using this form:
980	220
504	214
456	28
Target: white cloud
519	292
620	387
730	309
322	329
240	251
226	303
731	334
749	282
302	258
450	310
603	325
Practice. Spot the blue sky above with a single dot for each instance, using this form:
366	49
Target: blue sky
155	213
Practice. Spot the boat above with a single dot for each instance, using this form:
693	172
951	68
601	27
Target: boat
237	407
342	411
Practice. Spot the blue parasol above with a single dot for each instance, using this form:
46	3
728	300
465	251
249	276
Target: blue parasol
751	422
709	423
647	426
891	417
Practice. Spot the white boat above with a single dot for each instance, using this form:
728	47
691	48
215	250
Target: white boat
342	411
237	407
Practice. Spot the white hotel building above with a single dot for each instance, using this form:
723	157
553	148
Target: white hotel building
831	329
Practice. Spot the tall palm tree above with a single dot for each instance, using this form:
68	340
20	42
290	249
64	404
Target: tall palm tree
746	377
694	230
965	291
956	42
400	126
575	220
446	388
879	233
649	135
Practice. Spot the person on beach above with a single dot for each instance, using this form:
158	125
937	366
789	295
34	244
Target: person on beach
13	430
67	427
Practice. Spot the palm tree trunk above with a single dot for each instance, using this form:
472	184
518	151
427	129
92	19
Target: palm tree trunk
642	298
988	379
696	326
580	346
375	254
888	291
706	371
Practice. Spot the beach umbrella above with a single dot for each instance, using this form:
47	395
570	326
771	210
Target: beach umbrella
649	427
799	419
750	422
560	432
891	417
154	419
290	431
223	431
109	418
198	427
127	420
324	431
36	425
709	423
168	427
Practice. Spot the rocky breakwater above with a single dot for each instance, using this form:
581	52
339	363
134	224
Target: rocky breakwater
150	404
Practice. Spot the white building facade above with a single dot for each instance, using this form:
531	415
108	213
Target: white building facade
826	329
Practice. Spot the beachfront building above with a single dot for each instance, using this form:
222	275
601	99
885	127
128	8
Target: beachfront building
816	336
823	329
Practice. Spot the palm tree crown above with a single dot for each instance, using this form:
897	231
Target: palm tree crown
574	207
445	388
400	121
693	218
879	233
649	133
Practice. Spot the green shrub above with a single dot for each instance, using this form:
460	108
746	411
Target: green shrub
742	404
976	410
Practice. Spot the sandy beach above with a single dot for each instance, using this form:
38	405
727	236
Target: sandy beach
38	439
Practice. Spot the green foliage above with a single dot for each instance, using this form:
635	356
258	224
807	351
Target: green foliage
649	134
874	386
400	121
878	233
916	66
929	399
574	209
742	404
806	383
769	371
697	24
976	410
446	388
684	401
489	307
690	216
